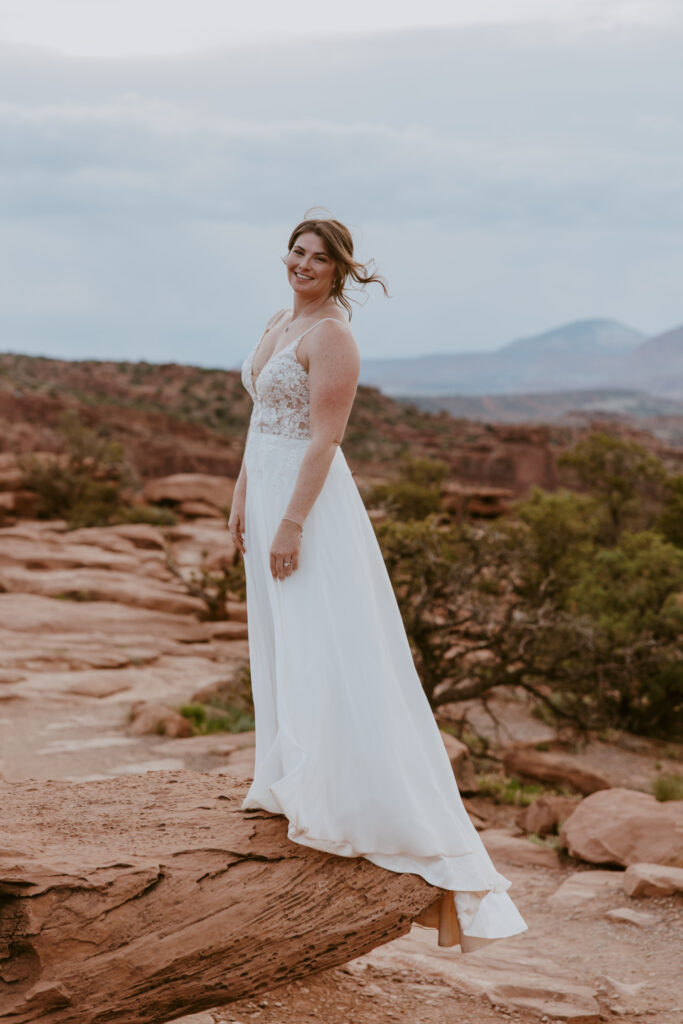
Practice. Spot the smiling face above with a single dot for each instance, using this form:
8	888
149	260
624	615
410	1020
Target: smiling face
310	270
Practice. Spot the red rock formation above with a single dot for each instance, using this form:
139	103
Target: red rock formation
140	899
623	826
558	768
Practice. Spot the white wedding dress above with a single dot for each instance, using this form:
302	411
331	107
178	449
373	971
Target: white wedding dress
346	743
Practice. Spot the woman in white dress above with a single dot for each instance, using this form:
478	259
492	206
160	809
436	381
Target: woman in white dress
346	743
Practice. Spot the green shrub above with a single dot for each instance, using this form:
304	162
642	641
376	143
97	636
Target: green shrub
151	515
84	484
206	719
668	787
506	790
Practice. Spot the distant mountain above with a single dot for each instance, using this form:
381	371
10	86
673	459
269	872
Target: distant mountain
657	365
552	406
578	355
586	356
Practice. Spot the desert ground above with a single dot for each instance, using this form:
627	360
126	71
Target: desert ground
95	630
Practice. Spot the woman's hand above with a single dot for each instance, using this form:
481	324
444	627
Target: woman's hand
284	551
236	523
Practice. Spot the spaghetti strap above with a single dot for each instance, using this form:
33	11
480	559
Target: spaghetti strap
304	333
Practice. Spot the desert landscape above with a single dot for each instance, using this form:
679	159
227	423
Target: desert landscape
126	740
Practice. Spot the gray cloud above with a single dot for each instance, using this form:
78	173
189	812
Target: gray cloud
146	202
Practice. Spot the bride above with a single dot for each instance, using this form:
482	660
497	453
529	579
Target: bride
347	747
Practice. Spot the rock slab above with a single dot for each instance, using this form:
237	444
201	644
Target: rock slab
560	769
653	880
583	886
156	896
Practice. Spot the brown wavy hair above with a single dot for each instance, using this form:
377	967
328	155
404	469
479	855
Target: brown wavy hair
339	246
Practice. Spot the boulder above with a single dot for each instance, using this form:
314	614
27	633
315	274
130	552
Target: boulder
545	815
181	487
560	769
463	769
503	846
148	717
154	895
624	826
652	880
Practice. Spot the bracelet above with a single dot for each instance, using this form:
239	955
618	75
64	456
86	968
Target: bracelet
295	522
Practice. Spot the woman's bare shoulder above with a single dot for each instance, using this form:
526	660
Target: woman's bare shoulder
332	345
336	329
277	316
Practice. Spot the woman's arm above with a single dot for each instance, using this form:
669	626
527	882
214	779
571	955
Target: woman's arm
333	371
236	521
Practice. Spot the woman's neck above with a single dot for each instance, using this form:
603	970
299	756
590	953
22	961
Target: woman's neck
302	309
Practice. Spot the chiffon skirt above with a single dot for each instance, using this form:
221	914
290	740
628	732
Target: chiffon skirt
347	747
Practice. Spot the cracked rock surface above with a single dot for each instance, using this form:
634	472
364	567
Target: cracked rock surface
138	899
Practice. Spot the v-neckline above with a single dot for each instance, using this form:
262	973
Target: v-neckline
254	380
273	355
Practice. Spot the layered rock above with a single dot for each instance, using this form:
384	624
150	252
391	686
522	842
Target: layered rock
560	769
155	896
207	493
545	815
653	880
501	845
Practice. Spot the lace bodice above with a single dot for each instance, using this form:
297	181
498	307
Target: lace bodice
280	392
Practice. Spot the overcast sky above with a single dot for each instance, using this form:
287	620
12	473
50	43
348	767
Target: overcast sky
510	165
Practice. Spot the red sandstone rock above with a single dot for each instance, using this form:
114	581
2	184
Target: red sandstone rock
584	886
463	769
237	611
140	535
629	916
183	487
545	815
199	510
147	717
623	826
33	614
503	846
171	900
100	585
42	551
653	880
559	769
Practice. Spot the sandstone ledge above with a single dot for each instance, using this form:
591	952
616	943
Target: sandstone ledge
155	896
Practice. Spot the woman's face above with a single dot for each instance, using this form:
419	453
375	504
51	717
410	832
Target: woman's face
310	270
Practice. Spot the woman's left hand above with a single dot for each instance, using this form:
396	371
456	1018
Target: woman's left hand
284	551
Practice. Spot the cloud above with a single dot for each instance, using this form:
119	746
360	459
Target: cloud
156	195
